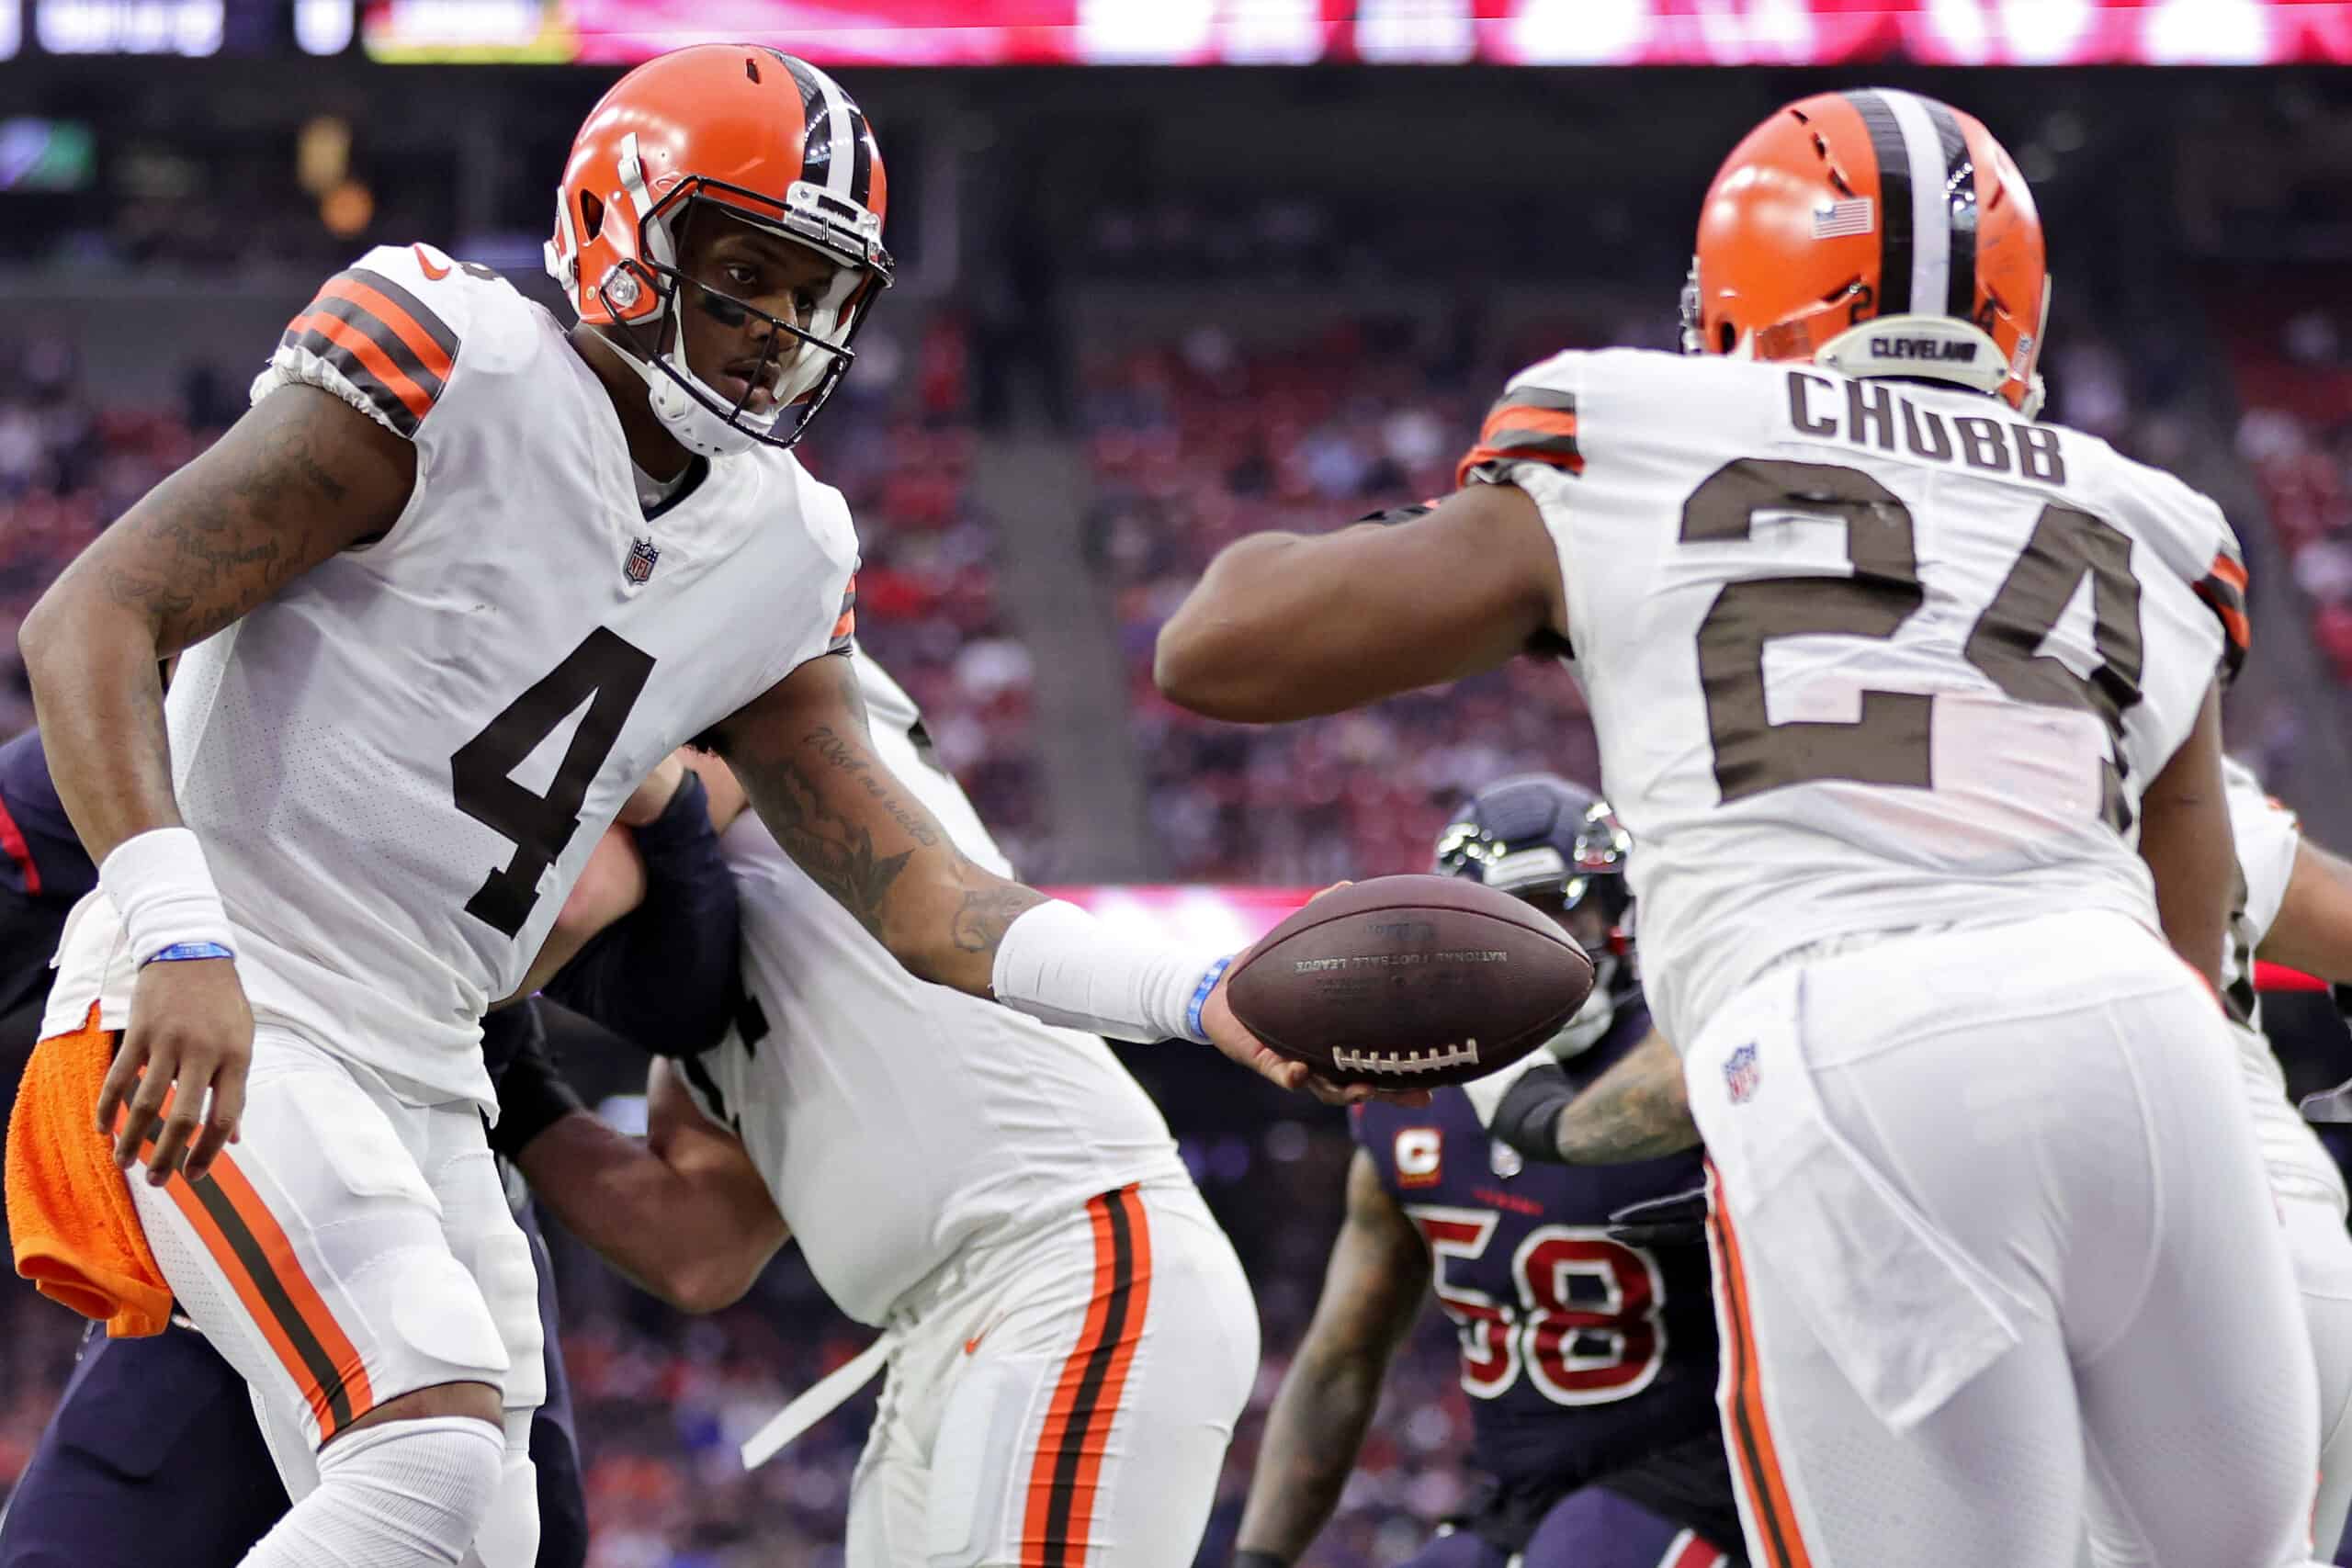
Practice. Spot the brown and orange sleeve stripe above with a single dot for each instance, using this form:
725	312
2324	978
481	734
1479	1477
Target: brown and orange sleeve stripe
1750	1435
1060	1518
2223	587
385	342
1527	425
846	624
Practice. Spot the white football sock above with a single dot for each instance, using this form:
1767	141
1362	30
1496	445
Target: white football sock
404	1495
509	1536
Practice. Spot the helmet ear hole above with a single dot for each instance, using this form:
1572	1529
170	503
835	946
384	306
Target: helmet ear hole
1726	337
592	216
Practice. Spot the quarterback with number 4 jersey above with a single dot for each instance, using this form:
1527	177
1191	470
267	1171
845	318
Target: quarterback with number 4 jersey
1911	703
462	575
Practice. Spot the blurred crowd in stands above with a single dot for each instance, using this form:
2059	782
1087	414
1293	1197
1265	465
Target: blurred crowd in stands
2290	349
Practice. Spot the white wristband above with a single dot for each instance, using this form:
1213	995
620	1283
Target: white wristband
1061	966
160	885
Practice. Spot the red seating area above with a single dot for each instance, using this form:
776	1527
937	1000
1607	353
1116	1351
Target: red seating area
2290	350
1197	442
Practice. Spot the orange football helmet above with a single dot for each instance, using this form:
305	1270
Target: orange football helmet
1878	233
774	143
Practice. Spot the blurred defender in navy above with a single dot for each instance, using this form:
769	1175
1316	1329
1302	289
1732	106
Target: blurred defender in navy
43	873
1591	1364
155	1439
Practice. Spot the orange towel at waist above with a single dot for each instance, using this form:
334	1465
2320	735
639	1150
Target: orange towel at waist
71	1220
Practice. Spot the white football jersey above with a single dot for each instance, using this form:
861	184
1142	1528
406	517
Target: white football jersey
398	765
2267	834
898	1121
1861	655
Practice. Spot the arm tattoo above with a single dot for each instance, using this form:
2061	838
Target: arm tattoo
1637	1109
229	539
990	908
836	850
836	853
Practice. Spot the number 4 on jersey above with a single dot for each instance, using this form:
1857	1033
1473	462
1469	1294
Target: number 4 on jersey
609	672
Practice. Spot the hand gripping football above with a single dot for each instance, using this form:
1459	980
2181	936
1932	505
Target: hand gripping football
1410	982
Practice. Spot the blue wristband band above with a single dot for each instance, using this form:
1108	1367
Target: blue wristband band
1201	995
180	951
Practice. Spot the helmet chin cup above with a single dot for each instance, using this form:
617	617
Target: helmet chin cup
682	415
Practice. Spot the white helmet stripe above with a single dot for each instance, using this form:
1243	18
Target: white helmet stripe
1931	208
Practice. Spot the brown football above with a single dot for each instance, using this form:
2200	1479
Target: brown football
1410	982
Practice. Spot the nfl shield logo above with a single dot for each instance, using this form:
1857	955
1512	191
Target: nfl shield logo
1740	1073
640	565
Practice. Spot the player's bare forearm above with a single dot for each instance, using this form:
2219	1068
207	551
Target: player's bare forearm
1313	1434
1637	1109
1290	625
681	1212
301	477
2312	932
1371	1293
2192	852
805	758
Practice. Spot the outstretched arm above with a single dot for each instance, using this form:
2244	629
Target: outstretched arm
804	757
1637	1109
1290	625
1371	1293
299	478
2312	932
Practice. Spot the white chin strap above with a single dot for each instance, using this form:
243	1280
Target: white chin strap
694	426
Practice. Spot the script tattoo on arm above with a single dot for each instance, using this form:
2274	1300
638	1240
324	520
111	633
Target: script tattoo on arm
1637	1109
834	849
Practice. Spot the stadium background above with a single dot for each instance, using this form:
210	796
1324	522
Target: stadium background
1172	270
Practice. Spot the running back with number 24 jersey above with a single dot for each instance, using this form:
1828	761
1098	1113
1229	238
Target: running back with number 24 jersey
1853	646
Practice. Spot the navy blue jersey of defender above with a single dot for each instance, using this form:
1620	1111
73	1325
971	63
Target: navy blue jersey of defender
40	857
1579	1353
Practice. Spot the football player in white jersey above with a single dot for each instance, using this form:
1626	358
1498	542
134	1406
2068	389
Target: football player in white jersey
2294	904
1070	1338
1911	704
456	582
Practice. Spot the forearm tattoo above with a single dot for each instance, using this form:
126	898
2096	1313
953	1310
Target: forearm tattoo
836	847
835	850
1637	1109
